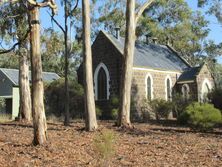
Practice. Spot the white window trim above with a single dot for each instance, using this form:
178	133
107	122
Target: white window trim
206	81
168	77
101	65
151	79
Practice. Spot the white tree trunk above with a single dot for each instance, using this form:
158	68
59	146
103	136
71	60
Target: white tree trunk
24	87
39	119
91	123
124	115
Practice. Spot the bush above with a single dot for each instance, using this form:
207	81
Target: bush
104	146
114	105
180	104
201	116
215	98
147	112
161	108
98	112
55	95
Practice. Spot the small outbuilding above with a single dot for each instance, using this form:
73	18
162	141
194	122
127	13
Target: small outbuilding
9	88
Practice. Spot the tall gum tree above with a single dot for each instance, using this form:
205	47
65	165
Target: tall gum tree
14	17
38	111
91	122
125	94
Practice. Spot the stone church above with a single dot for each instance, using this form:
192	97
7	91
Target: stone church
158	71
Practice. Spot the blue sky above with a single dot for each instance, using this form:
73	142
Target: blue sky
215	33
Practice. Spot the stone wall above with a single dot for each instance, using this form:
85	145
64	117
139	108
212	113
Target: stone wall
204	75
159	82
103	51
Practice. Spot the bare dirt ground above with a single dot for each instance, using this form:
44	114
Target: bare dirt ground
145	145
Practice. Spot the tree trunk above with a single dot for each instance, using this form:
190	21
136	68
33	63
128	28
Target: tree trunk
91	123
24	87
39	119
66	121
125	94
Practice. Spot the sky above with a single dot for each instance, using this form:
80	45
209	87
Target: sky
215	28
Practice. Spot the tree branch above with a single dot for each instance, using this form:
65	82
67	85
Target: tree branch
77	2
45	3
16	44
57	23
142	8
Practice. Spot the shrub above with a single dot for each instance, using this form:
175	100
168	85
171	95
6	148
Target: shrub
114	106
114	113
55	95
161	108
201	116
98	112
104	145
180	104
215	98
147	112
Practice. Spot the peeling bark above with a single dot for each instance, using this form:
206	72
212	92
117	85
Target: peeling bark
38	111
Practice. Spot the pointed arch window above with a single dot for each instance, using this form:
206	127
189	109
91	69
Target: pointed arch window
101	81
102	85
149	88
168	88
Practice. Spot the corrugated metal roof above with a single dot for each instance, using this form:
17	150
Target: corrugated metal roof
13	75
190	74
154	56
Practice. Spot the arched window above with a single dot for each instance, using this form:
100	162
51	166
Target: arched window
102	85
185	91
149	91
101	81
168	89
149	87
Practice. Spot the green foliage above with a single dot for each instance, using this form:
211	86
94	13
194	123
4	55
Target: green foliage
146	111
161	108
201	116
215	97
104	145
54	98
180	104
155	109
114	113
98	112
114	105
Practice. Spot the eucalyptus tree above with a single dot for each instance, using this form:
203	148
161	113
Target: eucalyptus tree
70	8
91	122
214	7
130	37
38	111
14	21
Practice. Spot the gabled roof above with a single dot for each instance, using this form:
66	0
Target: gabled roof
189	74
153	56
13	75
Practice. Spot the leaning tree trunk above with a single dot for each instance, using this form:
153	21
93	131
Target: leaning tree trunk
39	119
24	87
91	123
124	115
